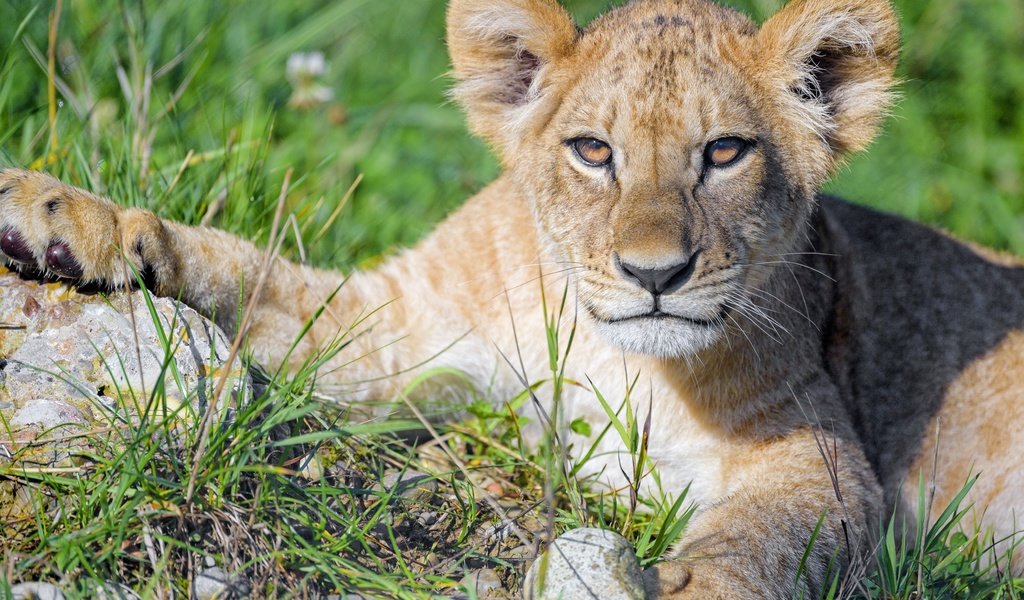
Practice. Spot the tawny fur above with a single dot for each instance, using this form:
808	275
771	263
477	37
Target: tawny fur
807	323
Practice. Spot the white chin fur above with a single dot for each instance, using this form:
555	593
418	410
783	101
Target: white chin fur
664	338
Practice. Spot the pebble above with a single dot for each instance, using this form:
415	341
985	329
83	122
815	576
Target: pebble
586	563
115	591
484	582
210	584
216	584
36	590
411	485
313	470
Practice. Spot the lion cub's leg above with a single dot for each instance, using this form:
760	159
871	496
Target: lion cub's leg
55	228
49	227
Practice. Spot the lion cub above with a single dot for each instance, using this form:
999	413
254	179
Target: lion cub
664	164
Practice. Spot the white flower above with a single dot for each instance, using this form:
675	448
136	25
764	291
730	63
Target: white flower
305	65
302	71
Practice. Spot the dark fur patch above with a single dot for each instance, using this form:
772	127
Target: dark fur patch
527	68
822	77
148	276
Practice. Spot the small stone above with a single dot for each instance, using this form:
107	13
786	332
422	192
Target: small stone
586	563
411	485
520	552
115	591
216	584
488	487
17	503
485	582
47	414
36	590
210	584
314	469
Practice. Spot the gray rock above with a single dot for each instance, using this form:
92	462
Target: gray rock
72	362
36	590
426	518
216	584
411	485
112	590
484	582
583	564
210	584
47	413
313	469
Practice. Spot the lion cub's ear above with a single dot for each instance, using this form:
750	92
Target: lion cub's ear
837	60
501	51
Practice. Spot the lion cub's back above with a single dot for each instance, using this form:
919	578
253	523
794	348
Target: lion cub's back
940	359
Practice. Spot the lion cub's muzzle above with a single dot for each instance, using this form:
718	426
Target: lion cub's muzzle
658	280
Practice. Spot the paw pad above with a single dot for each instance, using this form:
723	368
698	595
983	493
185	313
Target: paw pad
14	246
60	260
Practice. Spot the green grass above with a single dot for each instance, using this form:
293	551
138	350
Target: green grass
182	107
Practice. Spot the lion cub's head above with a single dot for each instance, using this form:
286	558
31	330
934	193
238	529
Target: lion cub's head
672	149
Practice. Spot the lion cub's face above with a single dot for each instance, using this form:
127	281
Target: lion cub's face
671	151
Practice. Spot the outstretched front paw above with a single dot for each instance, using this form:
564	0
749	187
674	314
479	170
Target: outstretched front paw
666	580
704	580
53	228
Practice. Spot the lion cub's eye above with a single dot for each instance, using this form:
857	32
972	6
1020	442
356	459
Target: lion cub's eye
593	153
725	151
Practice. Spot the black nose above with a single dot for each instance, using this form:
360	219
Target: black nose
659	280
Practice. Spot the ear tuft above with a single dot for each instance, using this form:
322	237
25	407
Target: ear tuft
838	61
500	51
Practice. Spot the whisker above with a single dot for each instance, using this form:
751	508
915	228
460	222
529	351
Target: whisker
567	271
770	263
800	288
768	295
807	254
546	263
758	317
749	341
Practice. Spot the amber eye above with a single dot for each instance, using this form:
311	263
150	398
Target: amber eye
593	153
725	151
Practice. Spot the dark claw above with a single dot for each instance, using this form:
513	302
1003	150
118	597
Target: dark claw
62	262
14	246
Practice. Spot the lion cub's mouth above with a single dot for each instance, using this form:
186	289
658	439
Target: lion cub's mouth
657	314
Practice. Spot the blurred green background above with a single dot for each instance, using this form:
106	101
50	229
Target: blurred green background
143	83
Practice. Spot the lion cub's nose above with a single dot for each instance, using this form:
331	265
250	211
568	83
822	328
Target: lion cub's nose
659	280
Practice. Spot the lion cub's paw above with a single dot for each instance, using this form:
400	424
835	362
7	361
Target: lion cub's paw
666	580
53	228
703	580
